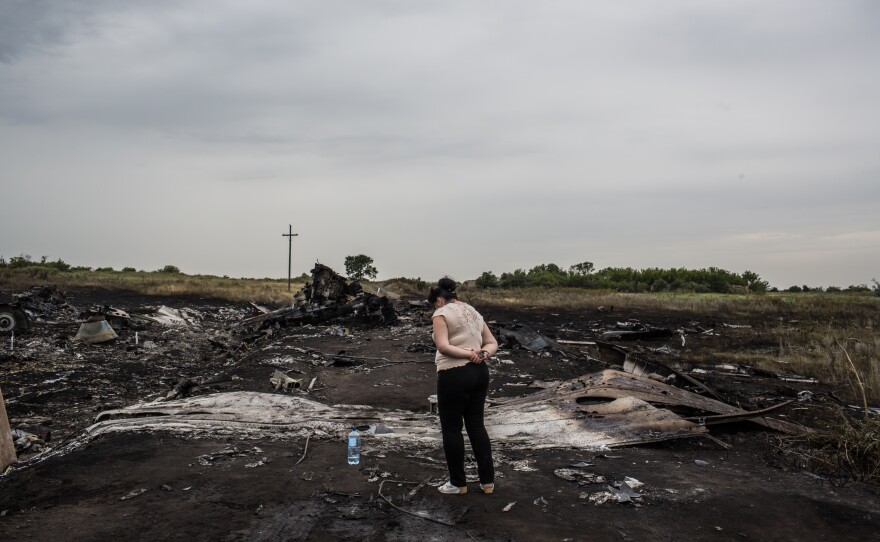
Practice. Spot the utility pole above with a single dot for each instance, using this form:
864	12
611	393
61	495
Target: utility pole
290	235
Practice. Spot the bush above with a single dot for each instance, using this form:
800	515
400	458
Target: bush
861	288
659	285
417	283
128	270
719	285
581	269
59	265
20	262
517	279
169	269
487	280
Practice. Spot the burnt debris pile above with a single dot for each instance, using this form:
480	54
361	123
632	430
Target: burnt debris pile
328	296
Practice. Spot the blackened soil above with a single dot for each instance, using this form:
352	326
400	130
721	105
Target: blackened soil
164	487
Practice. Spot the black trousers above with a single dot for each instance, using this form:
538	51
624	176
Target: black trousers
461	395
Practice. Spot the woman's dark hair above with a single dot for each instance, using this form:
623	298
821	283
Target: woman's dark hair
445	288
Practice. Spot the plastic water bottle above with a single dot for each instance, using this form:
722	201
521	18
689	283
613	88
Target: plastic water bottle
354	447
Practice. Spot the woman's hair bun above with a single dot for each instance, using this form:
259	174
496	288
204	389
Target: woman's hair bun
447	284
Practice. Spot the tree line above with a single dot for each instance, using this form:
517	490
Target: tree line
581	275
25	261
652	279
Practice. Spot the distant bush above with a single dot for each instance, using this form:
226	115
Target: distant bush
25	261
487	280
59	265
104	270
19	262
169	269
517	279
128	270
861	288
416	283
795	289
659	285
627	279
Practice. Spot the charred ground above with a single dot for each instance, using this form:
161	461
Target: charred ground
233	488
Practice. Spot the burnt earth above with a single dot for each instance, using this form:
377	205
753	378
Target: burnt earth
694	489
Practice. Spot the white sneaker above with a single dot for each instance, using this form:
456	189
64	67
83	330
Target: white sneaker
450	489
487	488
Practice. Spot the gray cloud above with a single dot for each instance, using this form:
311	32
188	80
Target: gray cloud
633	134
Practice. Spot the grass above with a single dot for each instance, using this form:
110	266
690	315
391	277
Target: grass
716	305
849	449
273	291
844	352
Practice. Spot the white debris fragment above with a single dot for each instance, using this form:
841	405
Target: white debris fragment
508	507
133	494
523	465
632	482
598	498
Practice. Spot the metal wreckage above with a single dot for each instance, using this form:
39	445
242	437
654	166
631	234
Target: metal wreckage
635	400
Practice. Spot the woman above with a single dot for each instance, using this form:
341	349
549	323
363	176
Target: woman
464	343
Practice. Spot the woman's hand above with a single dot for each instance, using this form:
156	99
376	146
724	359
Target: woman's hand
478	356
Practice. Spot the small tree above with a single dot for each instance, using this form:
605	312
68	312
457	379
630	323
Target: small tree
359	267
17	262
754	283
581	269
517	279
169	269
487	280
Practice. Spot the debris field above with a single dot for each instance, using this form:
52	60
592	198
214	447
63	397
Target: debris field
180	418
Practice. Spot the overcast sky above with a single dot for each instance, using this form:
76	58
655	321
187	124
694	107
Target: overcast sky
444	137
